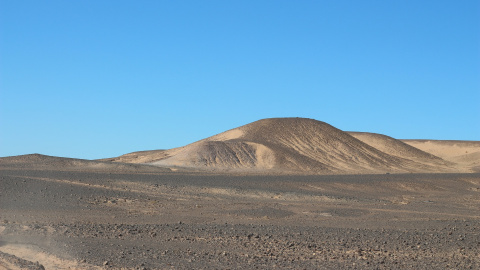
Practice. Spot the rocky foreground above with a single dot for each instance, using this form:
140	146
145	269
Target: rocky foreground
233	246
64	219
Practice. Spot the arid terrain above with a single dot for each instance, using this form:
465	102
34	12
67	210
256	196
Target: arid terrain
307	146
277	193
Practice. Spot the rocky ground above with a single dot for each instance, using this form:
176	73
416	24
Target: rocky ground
57	219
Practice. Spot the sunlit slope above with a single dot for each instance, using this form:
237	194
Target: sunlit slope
396	147
465	153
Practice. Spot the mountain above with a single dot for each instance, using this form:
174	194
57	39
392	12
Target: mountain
294	145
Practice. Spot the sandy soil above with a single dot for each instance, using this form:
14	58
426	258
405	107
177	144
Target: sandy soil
89	219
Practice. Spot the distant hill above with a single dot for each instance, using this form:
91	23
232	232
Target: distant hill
295	145
465	153
38	161
395	147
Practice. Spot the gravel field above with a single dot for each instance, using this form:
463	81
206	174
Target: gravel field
73	219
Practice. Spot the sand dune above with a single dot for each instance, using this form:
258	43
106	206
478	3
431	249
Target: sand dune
294	145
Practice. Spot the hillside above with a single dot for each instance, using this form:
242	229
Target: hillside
395	147
465	153
291	145
38	161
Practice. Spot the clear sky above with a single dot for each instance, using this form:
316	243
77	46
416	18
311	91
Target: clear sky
95	79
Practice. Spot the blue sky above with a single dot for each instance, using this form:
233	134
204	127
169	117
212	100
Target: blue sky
95	79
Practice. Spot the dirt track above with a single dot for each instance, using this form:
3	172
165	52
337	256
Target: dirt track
172	220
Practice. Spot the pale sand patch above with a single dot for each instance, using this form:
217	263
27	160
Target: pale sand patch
265	156
227	135
4	265
33	253
221	154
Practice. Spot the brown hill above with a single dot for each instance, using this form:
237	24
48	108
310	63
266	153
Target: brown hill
295	145
395	147
38	161
465	153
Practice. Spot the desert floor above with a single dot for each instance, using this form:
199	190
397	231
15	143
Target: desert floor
91	220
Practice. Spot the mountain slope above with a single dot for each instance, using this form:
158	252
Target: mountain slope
295	145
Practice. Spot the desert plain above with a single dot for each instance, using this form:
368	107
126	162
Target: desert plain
275	194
